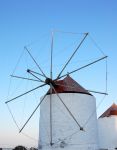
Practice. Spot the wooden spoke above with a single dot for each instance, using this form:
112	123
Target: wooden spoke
72	55
35	61
25	93
33	113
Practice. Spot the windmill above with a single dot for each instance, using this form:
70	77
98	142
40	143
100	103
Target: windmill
62	92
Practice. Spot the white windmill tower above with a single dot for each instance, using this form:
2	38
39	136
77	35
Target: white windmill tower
67	127
77	105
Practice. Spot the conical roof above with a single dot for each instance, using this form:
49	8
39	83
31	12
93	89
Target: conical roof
68	85
110	111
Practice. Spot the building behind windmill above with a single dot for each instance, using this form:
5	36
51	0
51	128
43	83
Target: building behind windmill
107	127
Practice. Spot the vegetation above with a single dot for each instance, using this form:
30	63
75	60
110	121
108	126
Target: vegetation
19	148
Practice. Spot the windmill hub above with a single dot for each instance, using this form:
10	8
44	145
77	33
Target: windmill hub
49	81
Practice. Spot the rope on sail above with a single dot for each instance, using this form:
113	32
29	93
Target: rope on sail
18	61
95	43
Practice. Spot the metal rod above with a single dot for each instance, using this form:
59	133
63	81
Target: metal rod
32	113
51	138
36	73
51	57
35	61
87	90
98	92
67	109
35	76
24	78
72	55
25	93
84	66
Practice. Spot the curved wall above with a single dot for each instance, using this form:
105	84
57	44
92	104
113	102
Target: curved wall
65	131
107	127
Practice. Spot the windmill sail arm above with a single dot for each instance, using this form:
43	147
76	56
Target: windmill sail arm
35	61
86	34
35	72
32	113
25	93
69	86
51	65
19	77
51	137
98	92
84	66
81	128
34	75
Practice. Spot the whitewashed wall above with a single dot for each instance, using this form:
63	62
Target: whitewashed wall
108	132
83	107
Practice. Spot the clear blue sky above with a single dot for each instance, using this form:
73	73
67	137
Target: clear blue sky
24	21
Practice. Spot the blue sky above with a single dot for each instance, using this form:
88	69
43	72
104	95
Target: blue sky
25	21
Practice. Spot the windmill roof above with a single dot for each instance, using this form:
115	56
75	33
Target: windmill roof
110	111
68	85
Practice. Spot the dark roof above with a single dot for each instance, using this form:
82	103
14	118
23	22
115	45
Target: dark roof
68	85
110	111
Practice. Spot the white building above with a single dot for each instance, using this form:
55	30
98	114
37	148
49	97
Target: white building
107	124
73	124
